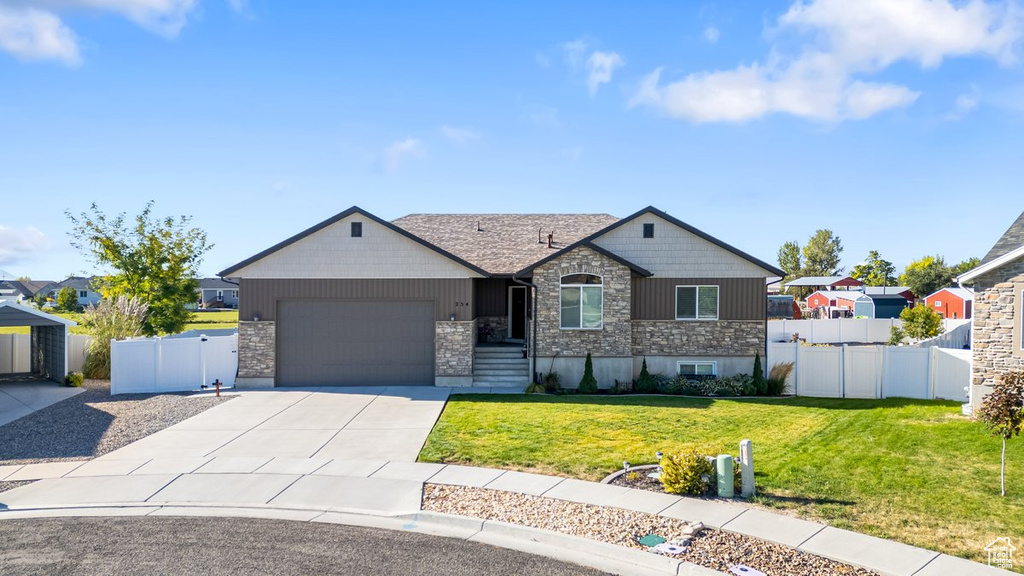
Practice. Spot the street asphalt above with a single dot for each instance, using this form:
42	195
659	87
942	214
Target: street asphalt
181	546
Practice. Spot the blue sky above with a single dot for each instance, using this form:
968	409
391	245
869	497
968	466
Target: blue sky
895	123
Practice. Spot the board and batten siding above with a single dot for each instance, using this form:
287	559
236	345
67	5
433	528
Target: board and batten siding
332	252
738	298
260	296
674	252
490	297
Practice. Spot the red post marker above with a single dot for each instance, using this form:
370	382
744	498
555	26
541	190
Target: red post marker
217	384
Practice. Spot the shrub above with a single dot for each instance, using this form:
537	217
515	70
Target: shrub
551	382
688	472
896	336
535	388
112	319
646	384
625	387
760	384
777	377
921	322
74	379
588	384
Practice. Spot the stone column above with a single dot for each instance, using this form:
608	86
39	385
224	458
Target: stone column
257	350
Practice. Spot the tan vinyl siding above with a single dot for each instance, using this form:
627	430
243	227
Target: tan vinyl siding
260	296
738	298
674	252
333	253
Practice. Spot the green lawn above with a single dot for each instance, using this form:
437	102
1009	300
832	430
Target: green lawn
910	470
199	320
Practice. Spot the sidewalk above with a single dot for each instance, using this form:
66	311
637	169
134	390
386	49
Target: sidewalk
386	493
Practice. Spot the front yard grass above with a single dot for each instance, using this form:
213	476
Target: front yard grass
915	471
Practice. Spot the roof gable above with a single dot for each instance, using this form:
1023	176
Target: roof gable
328	250
677	249
1012	239
14	314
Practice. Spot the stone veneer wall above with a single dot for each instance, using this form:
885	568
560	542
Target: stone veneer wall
499	326
257	349
698	338
613	340
996	326
454	342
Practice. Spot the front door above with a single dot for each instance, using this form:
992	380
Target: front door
517	312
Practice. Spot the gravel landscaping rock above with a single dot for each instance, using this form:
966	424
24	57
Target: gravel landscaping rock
5	486
713	549
94	423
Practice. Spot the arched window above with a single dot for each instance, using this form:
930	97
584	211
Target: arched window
582	300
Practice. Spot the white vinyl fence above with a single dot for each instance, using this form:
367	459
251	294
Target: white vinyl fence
874	371
957	335
16	353
843	330
172	364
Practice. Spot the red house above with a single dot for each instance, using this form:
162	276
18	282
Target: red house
834	300
953	303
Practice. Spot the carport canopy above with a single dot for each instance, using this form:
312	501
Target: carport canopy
49	348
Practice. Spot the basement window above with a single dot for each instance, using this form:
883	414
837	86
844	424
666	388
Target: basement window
648	230
357	229
697	370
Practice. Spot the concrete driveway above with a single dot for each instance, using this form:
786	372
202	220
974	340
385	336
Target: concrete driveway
379	423
21	396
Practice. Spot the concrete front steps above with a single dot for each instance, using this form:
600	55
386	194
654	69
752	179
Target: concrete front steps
500	367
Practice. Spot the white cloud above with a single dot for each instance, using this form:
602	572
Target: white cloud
711	34
964	104
575	51
30	34
459	135
396	154
33	30
21	244
600	67
823	80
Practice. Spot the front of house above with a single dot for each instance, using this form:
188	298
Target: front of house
493	299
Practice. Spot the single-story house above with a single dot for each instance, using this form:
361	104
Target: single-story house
22	290
216	293
464	299
88	295
951	303
997	323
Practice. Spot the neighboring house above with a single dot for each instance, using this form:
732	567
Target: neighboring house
953	303
20	291
216	293
83	286
422	300
824	282
997	325
834	303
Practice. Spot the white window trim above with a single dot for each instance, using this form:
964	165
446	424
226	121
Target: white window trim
714	366
580	286
220	295
696	312
234	294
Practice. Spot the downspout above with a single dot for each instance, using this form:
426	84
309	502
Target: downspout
531	347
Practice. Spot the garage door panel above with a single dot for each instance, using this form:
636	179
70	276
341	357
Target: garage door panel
355	342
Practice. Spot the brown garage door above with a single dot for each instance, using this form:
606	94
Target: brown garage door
355	343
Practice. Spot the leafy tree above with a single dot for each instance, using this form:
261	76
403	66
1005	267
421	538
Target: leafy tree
822	254
965	266
789	259
67	299
927	275
155	260
39	299
921	322
24	279
875	271
1002	411
588	384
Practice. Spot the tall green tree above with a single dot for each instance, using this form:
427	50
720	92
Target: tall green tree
822	254
153	259
875	271
965	266
927	275
789	259
67	299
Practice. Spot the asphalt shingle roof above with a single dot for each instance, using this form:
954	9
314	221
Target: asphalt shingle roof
503	243
1012	239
